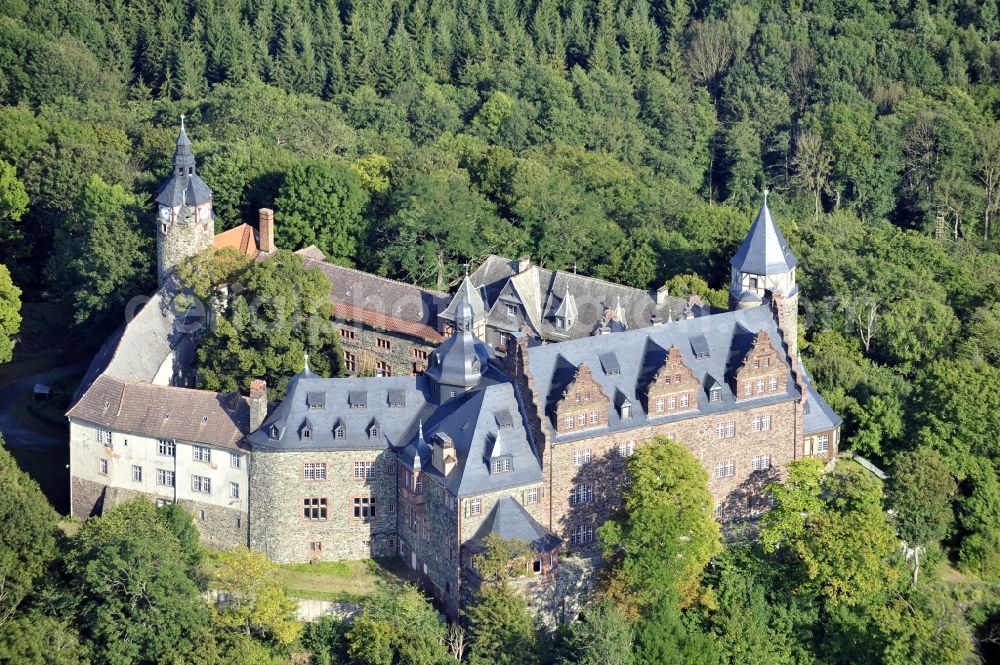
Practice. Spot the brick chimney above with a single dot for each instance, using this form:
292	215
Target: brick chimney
265	226
523	264
258	403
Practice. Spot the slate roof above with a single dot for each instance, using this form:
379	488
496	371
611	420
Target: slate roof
471	422
185	186
462	358
467	292
641	353
382	303
542	292
370	397
165	412
764	250
510	520
818	415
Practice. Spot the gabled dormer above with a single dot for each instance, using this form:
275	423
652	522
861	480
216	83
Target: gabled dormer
499	457
674	388
763	371
339	431
374	430
583	405
306	431
566	314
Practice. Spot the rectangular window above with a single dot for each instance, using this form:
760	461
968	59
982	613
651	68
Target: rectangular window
730	468
201	515
234	460
364	507
382	368
756	423
418	484
164	478
672	403
765	423
475	506
684	400
531	496
346	333
772	383
731	428
720	431
756	363
715	394
314	508
502	465
136	474
383	343
350	362
363	470
315	547
767	362
419	354
659	405
104	437
822	444
761	463
569	422
626	448
720	470
594	418
511	310
581	420
760	386
234	490
581	535
166	447
581	457
102	466
581	494
201	484
314	471
202	453
718	510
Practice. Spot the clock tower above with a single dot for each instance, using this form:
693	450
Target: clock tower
185	221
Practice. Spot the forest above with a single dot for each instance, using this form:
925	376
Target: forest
630	141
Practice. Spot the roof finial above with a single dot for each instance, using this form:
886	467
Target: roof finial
305	362
182	122
766	192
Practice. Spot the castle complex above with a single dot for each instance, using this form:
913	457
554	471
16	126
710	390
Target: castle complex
508	408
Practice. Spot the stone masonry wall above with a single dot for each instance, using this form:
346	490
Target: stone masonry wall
738	494
181	241
278	527
404	355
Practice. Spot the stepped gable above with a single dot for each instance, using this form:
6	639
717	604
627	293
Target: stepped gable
710	347
382	303
393	405
471	421
508	519
165	412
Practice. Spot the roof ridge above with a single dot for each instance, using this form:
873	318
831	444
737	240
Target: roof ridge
386	279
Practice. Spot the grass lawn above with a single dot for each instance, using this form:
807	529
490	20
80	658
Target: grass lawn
332	580
47	465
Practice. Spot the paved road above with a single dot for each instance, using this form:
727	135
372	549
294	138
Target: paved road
14	435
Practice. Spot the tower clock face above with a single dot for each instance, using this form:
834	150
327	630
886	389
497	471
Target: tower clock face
204	214
164	213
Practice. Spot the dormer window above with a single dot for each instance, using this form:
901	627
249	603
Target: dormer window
316	400
373	430
272	433
338	433
569	323
626	411
503	465
306	433
715	394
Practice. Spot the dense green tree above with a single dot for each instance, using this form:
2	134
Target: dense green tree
10	314
36	639
280	313
321	203
28	539
603	635
130	577
663	637
666	533
921	491
397	626
257	605
501	630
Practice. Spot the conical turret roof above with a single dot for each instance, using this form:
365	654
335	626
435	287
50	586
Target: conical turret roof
764	251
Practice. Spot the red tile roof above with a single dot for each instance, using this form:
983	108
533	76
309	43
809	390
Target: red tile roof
242	237
386	322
